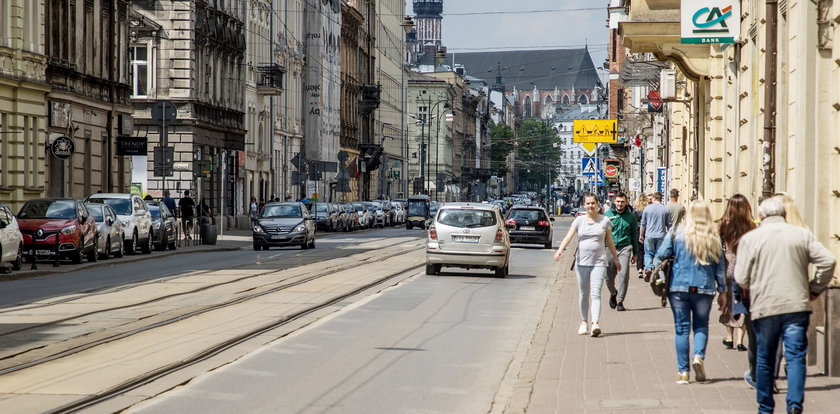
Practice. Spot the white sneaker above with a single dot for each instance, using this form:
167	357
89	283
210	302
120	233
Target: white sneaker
584	329
596	330
699	369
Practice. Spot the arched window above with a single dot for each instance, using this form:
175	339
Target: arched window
565	100
548	101
583	100
527	106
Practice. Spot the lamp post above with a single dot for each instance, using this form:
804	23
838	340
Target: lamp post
407	25
437	147
434	108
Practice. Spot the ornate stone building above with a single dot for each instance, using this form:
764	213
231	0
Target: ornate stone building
88	74
192	54
23	110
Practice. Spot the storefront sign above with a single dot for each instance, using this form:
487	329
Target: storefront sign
63	148
710	21
132	145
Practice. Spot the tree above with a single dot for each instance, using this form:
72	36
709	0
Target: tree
501	141
539	154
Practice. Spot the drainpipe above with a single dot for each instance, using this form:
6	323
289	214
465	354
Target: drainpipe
768	185
695	190
112	95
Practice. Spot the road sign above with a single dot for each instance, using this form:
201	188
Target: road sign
164	112
164	158
343	156
593	131
589	149
299	160
610	171
635	184
590	166
661	179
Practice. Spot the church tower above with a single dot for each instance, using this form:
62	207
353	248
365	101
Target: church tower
429	22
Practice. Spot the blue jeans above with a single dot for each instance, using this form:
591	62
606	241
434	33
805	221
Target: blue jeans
691	313
651	246
792	329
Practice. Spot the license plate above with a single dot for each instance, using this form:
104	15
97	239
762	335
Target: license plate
38	252
527	228
278	237
466	239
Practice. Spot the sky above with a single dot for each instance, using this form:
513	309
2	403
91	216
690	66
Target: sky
488	31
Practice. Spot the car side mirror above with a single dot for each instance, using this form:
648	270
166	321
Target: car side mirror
551	218
110	221
3	224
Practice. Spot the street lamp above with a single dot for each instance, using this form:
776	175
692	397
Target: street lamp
446	105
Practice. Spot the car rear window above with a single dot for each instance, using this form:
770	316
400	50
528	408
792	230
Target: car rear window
320	208
466	218
527	215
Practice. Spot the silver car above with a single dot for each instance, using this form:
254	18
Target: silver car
133	212
11	240
469	236
110	230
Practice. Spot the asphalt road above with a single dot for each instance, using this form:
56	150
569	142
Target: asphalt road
328	246
431	344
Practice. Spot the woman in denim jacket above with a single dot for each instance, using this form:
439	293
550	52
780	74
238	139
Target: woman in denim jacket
698	271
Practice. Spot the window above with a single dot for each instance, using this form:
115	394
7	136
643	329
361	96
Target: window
140	75
527	107
5	23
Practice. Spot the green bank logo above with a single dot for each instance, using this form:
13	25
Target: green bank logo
709	21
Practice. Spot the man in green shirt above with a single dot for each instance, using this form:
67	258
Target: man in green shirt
625	234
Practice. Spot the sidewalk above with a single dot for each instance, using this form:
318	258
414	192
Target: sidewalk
631	367
231	240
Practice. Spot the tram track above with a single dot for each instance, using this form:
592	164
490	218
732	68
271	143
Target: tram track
75	344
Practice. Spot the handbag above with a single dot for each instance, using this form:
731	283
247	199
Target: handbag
661	277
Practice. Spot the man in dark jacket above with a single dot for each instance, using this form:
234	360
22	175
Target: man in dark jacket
625	234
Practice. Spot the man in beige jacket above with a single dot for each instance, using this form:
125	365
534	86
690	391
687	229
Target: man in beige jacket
772	264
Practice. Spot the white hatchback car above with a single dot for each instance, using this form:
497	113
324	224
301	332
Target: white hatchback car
469	236
134	214
11	241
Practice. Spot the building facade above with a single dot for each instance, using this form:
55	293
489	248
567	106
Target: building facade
23	108
193	55
87	46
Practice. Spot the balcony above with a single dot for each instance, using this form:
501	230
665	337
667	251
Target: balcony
270	79
653	26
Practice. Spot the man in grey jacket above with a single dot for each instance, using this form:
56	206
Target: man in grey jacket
772	264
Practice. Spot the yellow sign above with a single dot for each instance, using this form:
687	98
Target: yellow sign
595	130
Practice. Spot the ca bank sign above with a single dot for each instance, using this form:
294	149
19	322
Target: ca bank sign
710	21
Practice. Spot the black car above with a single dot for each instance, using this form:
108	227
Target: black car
326	216
529	225
284	224
164	226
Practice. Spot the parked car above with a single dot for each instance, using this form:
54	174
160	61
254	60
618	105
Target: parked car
399	212
353	214
365	215
388	208
343	218
110	230
164	226
47	223
284	224
326	216
11	240
379	216
133	212
530	225
376	213
470	236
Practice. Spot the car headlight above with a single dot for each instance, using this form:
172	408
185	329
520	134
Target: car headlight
157	226
259	229
68	230
300	227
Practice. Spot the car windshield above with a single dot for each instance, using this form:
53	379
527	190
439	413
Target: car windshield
155	210
359	206
527	215
96	213
458	217
48	209
281	211
417	209
349	208
121	206
321	208
377	204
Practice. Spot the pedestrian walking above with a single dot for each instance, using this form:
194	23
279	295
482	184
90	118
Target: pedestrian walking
254	210
594	232
186	205
698	271
170	203
772	264
737	220
625	235
638	209
656	220
675	208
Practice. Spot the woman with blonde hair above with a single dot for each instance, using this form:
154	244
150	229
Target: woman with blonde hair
698	271
641	202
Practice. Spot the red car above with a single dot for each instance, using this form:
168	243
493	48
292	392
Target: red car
62	220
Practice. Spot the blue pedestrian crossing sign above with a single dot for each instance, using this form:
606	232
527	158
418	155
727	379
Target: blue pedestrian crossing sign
590	166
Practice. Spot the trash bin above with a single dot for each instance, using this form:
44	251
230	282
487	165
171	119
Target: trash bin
209	232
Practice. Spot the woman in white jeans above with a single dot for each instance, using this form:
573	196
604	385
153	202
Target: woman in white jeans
595	232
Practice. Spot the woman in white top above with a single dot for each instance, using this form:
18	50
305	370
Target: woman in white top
595	232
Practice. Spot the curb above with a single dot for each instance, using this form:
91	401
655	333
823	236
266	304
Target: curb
46	268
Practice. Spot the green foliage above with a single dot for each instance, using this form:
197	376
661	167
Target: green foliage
537	155
501	140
